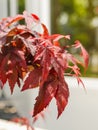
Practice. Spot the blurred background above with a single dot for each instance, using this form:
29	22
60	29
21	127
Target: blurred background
79	18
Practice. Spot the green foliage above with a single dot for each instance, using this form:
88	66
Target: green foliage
21	6
78	24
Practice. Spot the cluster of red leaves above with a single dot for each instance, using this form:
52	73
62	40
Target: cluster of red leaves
37	59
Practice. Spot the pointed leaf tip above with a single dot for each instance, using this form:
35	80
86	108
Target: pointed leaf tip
83	52
62	96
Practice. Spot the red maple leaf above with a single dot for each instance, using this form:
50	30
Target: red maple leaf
46	93
83	52
33	79
61	96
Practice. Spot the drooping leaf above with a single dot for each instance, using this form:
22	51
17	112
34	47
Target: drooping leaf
45	32
71	58
83	51
80	81
12	79
57	37
76	70
59	64
61	96
4	69
46	93
11	20
46	65
40	115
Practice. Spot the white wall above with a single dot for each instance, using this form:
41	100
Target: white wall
13	7
3	8
40	8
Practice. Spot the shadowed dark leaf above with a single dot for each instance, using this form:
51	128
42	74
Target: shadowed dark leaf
33	79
